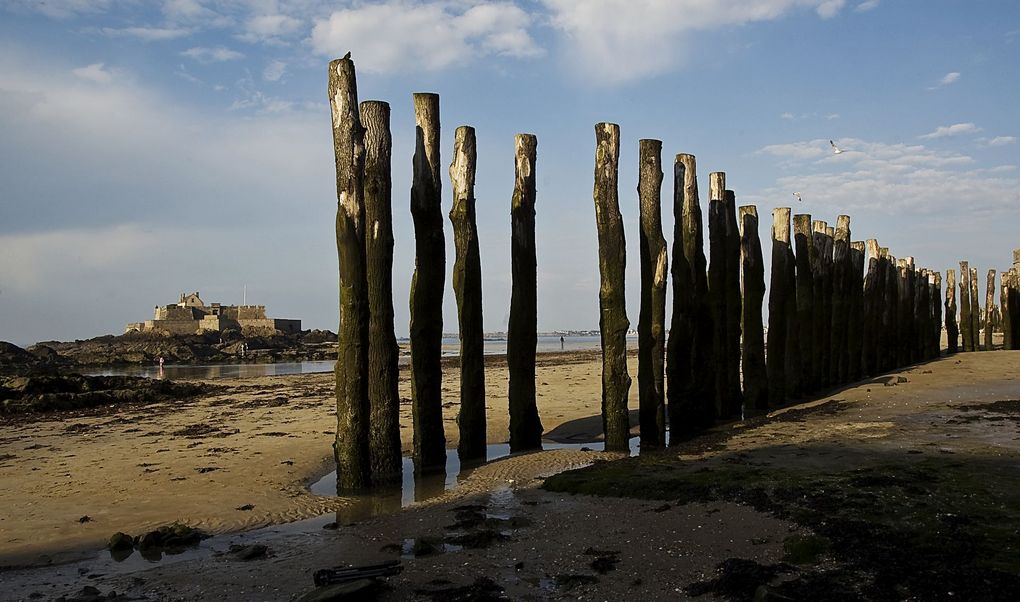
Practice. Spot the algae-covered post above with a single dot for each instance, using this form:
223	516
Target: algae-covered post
383	352
426	299
651	322
804	243
952	331
352	408
756	386
612	302
855	319
966	324
989	308
684	410
467	288
780	295
839	350
975	310
525	424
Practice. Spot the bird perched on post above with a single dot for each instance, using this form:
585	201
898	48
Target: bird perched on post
348	55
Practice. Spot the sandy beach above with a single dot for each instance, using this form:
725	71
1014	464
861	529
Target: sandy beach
267	438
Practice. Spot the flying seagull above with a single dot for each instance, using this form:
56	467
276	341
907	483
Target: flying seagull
797	194
835	149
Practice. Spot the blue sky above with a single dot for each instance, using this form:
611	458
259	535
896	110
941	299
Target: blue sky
155	147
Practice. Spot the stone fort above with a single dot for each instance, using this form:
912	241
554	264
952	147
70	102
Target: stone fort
190	315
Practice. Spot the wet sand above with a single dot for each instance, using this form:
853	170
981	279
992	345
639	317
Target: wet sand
539	549
259	442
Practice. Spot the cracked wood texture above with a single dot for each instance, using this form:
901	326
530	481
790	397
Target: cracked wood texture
965	319
989	308
756	388
839	345
804	243
352	407
467	288
613	321
781	300
652	318
975	310
426	299
383	398
525	423
952	330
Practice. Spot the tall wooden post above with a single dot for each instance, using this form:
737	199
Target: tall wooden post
717	290
613	321
467	288
975	310
1013	301
383	353
952	331
525	424
1007	328
426	299
870	335
652	319
820	322
989	308
855	321
966	321
755	377
839	349
804	243
890	302
781	293
352	408
936	304
734	396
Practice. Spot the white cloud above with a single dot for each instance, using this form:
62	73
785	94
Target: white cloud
218	54
948	79
269	28
96	72
274	71
956	129
788	116
147	34
614	41
866	5
61	9
398	36
1001	140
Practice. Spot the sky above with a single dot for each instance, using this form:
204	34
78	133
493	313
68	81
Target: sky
149	148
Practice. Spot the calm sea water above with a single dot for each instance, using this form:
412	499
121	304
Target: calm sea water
451	347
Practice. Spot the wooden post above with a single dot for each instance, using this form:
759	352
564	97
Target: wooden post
890	300
819	324
936	305
780	295
827	271
525	423
922	304
989	308
1014	304
839	347
952	331
855	320
467	288
804	243
652	319
1007	329
352	409
613	321
966	323
734	315
975	310
718	293
870	335
688	351
383	352
426	299
904	338
756	385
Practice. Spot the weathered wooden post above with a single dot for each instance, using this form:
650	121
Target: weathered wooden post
720	297
890	302
1014	302
952	332
819	324
352	408
756	385
936	306
734	315
1007	328
839	349
689	352
975	310
870	335
426	299
383	352
804	243
855	322
989	308
827	271
780	294
966	322
652	319
525	423
922	319
613	321
467	288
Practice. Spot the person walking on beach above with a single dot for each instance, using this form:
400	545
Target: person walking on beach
561	343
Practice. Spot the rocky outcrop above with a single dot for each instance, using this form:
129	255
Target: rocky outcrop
51	392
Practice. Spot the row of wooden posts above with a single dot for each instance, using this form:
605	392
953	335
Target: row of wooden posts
829	322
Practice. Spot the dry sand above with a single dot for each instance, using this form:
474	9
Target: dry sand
661	548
